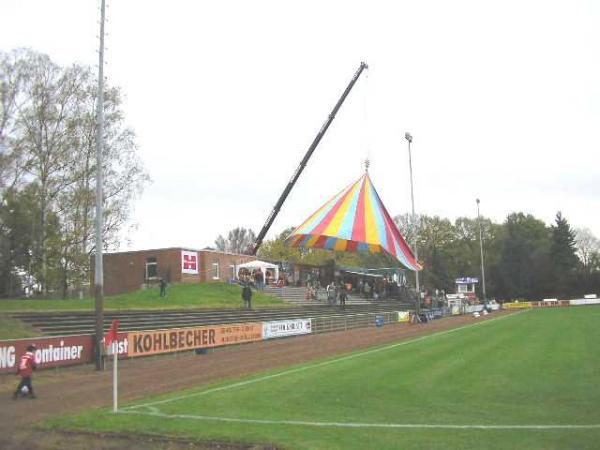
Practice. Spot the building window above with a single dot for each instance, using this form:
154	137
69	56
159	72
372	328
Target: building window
215	270
232	271
151	268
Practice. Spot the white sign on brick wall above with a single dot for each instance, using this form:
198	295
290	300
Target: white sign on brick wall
189	262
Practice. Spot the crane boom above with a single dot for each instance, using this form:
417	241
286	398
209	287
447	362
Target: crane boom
300	168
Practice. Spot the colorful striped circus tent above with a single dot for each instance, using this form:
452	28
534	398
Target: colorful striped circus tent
354	220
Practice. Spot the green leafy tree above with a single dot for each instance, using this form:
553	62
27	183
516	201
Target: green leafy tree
523	270
435	237
277	250
47	138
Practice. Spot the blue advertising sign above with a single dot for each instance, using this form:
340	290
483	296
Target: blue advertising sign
467	280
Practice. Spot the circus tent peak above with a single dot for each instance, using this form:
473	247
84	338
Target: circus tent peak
354	220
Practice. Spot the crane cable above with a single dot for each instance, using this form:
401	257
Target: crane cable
365	148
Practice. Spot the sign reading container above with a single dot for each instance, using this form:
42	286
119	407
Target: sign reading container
281	328
179	339
50	352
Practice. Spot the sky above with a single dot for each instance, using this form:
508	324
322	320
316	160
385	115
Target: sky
502	100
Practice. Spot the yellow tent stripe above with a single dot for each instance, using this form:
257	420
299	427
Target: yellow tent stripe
333	229
340	245
371	235
309	223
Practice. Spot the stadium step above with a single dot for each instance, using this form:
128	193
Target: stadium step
297	296
71	323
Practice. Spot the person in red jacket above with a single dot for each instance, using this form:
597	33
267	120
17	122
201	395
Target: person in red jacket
26	367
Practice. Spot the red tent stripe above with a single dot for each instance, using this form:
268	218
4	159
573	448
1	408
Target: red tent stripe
358	230
351	246
320	242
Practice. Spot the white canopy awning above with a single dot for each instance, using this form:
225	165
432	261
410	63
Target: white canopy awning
260	265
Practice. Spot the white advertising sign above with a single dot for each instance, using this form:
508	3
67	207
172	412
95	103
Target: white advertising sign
584	301
282	328
189	262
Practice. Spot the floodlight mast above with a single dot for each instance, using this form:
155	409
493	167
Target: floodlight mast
259	239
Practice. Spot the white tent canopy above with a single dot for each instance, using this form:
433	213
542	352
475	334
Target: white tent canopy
259	265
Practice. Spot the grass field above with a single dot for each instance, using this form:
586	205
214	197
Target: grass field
179	296
527	380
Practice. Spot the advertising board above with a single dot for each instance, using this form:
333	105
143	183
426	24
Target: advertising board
144	343
122	346
281	328
50	352
189	262
517	305
403	316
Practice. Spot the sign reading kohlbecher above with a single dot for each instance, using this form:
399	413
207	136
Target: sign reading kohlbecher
179	339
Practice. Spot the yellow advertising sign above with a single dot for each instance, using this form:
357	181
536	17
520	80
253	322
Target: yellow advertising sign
145	343
403	316
517	305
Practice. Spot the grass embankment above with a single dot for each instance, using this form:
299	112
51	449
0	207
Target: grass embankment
179	296
534	368
11	328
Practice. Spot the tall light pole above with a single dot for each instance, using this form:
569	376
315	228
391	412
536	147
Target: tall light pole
481	250
409	138
98	268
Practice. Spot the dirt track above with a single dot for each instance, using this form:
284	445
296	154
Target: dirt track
79	389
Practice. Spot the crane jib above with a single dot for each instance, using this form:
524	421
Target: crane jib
300	168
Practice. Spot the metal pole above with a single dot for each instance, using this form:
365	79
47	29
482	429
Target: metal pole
98	268
481	250
414	220
115	345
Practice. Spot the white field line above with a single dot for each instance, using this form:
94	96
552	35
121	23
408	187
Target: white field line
314	366
156	413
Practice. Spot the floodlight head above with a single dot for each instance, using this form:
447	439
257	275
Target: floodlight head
408	137
477	200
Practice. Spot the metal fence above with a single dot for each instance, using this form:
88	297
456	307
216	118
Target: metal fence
327	324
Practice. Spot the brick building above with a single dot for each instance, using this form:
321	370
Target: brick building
128	271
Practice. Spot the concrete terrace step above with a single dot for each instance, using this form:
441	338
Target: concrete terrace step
297	295
55	324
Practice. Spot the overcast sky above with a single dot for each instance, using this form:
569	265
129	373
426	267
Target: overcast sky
502	99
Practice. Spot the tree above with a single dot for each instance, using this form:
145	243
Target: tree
563	256
588	251
239	240
435	234
408	227
523	269
276	250
586	245
47	137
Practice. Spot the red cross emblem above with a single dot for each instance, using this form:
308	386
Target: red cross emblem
189	262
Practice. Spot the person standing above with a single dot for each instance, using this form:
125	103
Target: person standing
26	367
331	293
163	287
343	296
247	296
